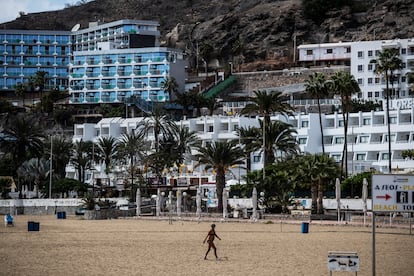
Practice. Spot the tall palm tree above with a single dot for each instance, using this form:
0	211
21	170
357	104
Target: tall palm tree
345	85
81	158
61	150
309	171
220	156
318	87
250	138
159	125
266	104
328	170
387	65
133	146
170	85
24	138
186	141
20	90
107	152
36	170
281	140
40	83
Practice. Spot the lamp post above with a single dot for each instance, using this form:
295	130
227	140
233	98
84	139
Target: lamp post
51	166
185	201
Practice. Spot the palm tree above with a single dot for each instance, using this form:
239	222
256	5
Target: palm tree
170	85
39	83
328	170
133	146
107	152
266	104
61	150
24	138
387	64
318	87
220	156
81	158
250	138
281	139
186	141
309	172
20	90
36	170
345	85
159	125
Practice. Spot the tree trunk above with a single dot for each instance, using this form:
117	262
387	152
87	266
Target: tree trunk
314	197
320	196
220	183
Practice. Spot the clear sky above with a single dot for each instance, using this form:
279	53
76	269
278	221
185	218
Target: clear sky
10	8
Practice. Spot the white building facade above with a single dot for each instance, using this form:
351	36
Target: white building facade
367	138
359	56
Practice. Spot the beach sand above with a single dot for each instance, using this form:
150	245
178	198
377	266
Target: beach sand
75	246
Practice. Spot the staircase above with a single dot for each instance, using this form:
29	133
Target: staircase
146	106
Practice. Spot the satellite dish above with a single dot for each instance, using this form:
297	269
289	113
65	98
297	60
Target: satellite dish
75	28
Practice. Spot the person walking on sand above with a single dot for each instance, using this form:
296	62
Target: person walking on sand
210	240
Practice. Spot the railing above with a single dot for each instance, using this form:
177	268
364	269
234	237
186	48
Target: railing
146	106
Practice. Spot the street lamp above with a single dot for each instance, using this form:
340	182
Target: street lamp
51	166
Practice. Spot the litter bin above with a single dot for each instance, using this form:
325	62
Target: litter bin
33	226
61	215
305	227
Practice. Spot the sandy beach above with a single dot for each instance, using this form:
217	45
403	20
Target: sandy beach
75	246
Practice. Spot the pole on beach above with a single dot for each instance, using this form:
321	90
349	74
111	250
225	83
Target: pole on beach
373	243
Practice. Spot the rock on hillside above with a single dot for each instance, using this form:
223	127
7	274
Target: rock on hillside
253	34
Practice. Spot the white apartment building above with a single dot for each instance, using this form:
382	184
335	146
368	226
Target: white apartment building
367	138
358	55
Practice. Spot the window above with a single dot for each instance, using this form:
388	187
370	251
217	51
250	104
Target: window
210	129
360	54
329	51
360	68
305	123
393	120
256	159
309	52
370	53
336	157
403	51
370	67
392	137
339	140
369	94
377	94
348	49
403	79
366	121
377	80
360	81
370	80
384	156
341	123
377	52
302	141
364	139
360	156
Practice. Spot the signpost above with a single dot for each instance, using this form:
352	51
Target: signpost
391	193
343	261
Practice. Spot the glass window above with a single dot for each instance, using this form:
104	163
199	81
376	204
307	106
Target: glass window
360	54
305	123
329	51
256	159
302	141
360	156
339	140
370	67
384	156
370	53
309	52
393	120
364	139
360	68
366	121
336	157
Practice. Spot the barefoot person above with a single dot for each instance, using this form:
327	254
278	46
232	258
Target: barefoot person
210	240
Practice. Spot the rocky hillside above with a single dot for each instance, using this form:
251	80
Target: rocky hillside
253	34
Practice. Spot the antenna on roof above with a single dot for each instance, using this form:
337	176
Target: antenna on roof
75	28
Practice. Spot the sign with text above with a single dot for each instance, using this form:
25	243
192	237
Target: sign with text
392	193
343	261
